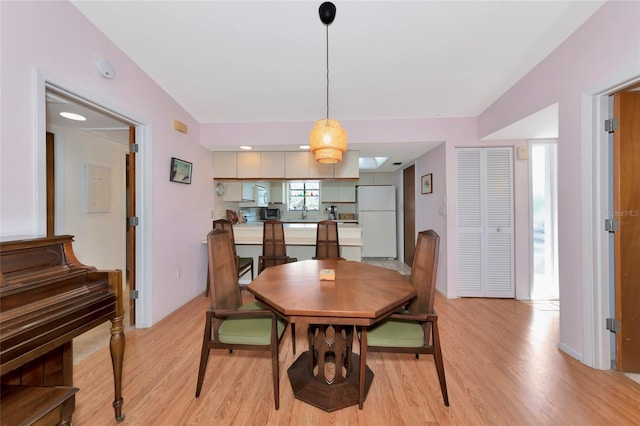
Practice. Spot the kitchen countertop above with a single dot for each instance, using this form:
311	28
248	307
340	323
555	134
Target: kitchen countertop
300	233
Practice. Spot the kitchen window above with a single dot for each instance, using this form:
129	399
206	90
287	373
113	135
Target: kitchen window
304	195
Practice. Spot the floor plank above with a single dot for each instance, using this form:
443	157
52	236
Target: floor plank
501	359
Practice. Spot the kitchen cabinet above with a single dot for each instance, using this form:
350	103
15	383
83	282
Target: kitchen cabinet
375	179
282	165
365	179
272	165
248	191
225	164
248	165
277	195
232	191
254	195
296	165
349	167
338	192
319	170
383	178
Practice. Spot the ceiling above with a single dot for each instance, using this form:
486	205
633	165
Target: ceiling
265	61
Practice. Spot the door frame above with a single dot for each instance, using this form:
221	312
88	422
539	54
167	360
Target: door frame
597	284
45	80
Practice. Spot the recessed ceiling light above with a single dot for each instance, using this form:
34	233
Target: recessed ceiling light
246	147
371	162
72	116
304	147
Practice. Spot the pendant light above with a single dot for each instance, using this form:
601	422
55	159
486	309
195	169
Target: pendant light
328	140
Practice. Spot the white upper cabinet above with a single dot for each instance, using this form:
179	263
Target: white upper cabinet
296	165
272	165
349	167
225	164
277	193
248	165
248	191
375	178
319	170
232	191
338	192
282	165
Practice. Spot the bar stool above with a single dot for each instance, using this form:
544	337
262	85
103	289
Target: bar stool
274	252
327	244
243	264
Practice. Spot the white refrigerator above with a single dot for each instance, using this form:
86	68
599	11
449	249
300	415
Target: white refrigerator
377	217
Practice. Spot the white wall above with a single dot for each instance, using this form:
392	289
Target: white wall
99	237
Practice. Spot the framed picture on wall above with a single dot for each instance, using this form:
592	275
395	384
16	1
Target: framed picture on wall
180	171
426	184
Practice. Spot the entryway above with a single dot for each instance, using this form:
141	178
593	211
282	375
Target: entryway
543	205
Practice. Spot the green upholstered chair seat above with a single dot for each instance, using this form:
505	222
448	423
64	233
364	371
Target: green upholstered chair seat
249	331
245	262
395	333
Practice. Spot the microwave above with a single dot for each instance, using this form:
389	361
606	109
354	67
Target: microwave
271	214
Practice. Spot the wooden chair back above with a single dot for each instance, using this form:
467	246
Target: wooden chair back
226	225
274	250
424	271
327	243
273	239
225	292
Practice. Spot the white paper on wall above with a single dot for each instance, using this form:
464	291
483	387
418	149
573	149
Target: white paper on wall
97	189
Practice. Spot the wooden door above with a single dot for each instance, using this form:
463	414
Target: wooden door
409	196
627	238
51	192
130	275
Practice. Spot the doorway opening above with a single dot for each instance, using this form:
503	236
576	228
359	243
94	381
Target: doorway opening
102	140
544	235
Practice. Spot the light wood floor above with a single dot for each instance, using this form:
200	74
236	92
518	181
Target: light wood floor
501	362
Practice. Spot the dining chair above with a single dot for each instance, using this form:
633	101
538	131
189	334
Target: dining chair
243	264
415	329
327	244
274	250
231	324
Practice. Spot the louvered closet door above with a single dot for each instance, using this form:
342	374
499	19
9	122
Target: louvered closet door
485	222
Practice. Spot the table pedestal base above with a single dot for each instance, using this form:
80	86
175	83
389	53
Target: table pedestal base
329	397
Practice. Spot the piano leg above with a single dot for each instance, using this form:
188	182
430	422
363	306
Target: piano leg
117	355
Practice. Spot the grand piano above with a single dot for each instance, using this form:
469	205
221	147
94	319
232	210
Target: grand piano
47	297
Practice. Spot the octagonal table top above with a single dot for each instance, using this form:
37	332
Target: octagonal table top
361	294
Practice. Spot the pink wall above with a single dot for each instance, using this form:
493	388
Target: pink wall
54	39
429	213
607	45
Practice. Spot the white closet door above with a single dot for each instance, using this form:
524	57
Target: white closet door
469	223
485	222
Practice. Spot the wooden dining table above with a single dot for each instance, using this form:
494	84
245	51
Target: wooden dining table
329	374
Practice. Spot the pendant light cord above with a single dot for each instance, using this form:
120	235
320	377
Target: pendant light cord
327	71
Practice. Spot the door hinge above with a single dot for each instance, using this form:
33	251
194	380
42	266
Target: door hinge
133	294
611	225
133	147
611	125
613	325
134	221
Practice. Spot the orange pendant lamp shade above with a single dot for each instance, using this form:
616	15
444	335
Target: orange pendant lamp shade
328	141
